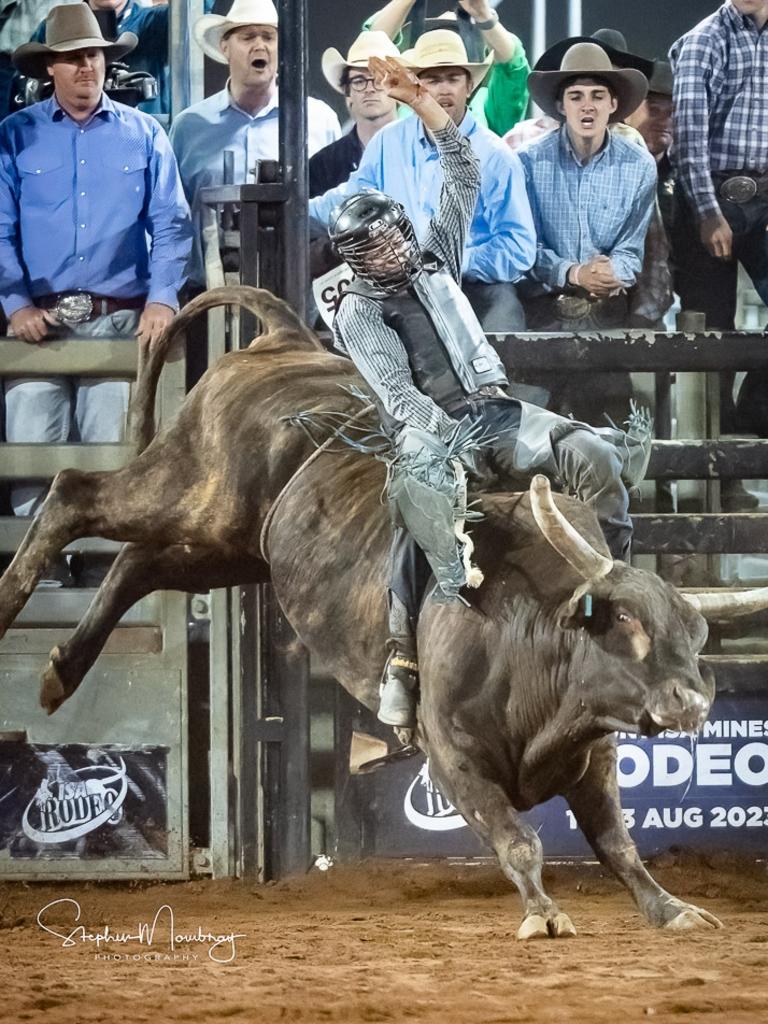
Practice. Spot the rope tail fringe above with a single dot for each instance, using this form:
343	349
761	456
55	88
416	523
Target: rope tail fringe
473	573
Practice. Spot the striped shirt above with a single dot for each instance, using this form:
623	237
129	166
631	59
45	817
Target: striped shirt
359	327
601	208
721	117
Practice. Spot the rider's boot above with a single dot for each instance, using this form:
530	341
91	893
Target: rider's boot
399	689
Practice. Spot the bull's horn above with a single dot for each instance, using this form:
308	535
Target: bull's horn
723	604
563	535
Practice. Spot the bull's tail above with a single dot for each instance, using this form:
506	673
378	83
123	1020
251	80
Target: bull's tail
273	313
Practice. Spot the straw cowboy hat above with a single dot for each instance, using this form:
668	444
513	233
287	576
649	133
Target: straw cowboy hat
69	27
445	48
367	44
589	60
211	28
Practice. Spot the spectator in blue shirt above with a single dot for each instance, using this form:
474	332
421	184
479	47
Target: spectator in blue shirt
94	231
402	161
243	118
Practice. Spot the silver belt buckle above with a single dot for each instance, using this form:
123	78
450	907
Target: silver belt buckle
739	189
572	307
74	307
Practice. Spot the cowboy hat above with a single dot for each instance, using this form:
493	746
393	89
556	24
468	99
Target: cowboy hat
662	79
69	27
444	48
610	40
589	60
210	29
367	44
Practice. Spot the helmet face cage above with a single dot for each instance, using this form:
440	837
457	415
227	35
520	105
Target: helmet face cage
372	233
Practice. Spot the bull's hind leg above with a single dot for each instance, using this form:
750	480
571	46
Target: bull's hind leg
487	810
62	518
595	803
115	505
137	571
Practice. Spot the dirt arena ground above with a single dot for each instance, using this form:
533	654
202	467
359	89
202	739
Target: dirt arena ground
386	942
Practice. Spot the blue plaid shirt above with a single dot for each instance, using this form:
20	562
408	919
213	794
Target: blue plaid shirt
721	116
601	208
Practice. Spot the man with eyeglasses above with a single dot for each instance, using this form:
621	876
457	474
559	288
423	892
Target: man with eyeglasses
369	106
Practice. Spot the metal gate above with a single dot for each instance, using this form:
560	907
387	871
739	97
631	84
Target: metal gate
99	788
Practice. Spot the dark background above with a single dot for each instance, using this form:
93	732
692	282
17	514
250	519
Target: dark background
650	26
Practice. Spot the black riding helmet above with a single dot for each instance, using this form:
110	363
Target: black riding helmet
373	234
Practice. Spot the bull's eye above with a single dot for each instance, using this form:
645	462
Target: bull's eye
623	617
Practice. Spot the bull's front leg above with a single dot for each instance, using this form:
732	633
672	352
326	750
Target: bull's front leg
596	805
488	811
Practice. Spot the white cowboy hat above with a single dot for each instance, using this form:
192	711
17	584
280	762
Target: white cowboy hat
445	48
210	29
367	44
589	60
69	27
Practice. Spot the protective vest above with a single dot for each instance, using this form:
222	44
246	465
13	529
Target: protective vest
449	355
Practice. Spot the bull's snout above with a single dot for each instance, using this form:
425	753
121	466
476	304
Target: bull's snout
678	706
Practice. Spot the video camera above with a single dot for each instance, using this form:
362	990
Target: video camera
120	84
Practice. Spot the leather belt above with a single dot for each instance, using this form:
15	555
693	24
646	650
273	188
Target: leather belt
741	186
77	307
487	393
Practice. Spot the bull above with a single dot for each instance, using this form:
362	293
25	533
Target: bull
522	688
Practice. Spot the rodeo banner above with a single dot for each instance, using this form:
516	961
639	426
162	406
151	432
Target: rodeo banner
82	802
708	793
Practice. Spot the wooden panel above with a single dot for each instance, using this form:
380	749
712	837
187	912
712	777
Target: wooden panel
631	350
42	461
123	640
745	672
13	529
730	458
103	357
708	533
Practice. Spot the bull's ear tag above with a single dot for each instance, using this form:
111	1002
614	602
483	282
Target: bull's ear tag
587	606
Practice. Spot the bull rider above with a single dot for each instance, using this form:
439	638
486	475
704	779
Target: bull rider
440	391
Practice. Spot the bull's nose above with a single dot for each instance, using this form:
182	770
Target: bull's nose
680	707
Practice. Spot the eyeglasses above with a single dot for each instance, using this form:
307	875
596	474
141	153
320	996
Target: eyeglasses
360	84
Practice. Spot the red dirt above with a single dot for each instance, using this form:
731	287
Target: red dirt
391	942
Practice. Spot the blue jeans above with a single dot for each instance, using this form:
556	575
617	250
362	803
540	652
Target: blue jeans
496	306
59	409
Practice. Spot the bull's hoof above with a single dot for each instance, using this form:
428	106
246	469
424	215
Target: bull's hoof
693	917
53	692
558	926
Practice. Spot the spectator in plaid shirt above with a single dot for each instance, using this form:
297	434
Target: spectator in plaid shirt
592	193
721	157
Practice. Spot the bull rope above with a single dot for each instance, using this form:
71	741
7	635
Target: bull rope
264	535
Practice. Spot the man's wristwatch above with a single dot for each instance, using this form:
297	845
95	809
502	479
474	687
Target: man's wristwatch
485	25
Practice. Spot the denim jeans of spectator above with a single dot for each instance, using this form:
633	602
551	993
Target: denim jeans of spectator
59	409
586	397
496	306
709	285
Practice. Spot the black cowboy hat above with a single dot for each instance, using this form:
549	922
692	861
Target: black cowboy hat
552	58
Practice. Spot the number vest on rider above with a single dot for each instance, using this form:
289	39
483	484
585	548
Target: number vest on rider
448	352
